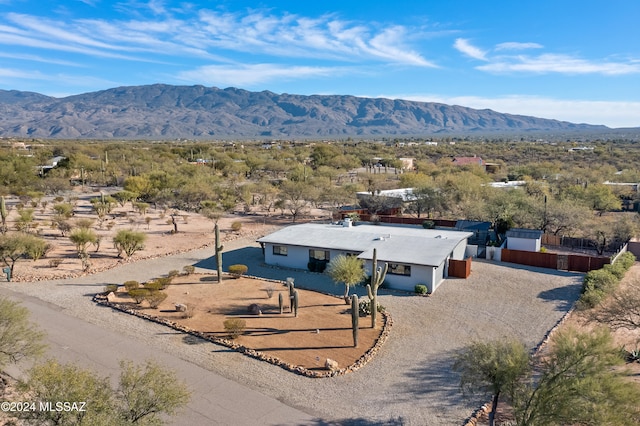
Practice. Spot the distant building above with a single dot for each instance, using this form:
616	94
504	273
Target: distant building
468	161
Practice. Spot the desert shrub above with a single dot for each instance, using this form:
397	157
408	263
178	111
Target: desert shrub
164	282
269	288
600	279
596	285
627	260
364	308
138	294
235	327
155	298
189	312
421	289
154	285
189	269
617	270
54	263
84	223
590	299
238	270
173	273
111	288
130	285
236	226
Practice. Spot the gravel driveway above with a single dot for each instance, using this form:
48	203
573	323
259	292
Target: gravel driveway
410	381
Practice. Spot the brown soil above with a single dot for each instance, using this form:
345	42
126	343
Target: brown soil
194	231
321	330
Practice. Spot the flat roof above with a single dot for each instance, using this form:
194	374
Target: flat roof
394	244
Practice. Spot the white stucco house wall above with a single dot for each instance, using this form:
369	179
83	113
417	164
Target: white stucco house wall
524	239
415	256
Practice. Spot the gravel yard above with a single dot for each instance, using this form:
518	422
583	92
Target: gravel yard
410	381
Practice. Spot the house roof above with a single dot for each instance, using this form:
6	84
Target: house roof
532	234
465	161
406	194
416	246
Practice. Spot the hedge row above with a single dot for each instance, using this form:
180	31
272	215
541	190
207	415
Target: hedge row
598	284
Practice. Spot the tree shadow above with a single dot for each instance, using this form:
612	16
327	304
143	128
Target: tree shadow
435	380
564	297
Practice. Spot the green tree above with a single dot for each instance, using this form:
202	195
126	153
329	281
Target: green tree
493	368
53	382
146	393
293	196
348	270
82	237
19	338
15	246
128	241
577	384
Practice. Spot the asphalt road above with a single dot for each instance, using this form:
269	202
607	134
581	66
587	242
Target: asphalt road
214	400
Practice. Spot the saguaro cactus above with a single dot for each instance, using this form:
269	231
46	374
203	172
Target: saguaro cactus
355	316
294	303
281	303
3	214
219	248
378	275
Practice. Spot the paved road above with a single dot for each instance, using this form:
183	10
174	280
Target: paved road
215	400
409	382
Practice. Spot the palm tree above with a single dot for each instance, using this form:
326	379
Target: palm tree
348	270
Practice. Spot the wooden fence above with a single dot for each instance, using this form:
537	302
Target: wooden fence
567	262
460	268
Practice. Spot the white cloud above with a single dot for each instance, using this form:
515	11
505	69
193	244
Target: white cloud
563	64
512	45
252	75
463	45
609	113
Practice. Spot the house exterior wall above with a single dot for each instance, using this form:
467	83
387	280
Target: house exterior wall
526	244
419	275
298	257
459	251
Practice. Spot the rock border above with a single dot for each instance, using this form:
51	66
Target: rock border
102	300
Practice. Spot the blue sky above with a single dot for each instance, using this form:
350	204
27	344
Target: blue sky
565	59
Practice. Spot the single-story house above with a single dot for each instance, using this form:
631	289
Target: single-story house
415	255
524	239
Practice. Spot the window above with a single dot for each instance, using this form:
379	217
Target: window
280	250
399	269
322	255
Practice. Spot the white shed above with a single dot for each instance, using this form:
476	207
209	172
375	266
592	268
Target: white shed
524	239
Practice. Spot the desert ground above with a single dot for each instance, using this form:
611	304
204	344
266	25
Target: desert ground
322	329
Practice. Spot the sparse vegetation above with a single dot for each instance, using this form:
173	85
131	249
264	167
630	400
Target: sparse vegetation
235	327
238	270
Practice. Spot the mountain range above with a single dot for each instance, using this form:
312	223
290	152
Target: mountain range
196	112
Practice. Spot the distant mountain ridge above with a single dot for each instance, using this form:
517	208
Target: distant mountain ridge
196	112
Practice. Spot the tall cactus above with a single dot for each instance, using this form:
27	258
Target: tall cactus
294	303
219	248
378	275
355	316
3	214
281	302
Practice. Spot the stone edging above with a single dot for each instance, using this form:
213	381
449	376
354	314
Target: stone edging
485	408
101	299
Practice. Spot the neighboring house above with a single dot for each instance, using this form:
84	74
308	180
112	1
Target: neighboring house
524	239
387	202
415	256
469	161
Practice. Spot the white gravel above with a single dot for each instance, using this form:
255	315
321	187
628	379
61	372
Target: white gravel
410	381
